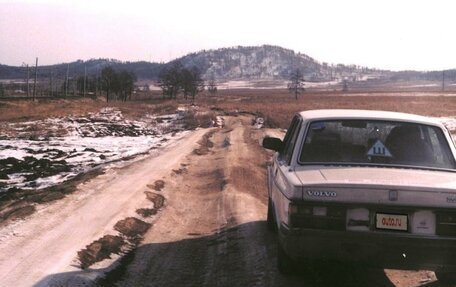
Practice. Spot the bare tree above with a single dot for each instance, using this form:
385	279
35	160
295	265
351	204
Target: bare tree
191	82
126	84
296	84
186	82
121	84
169	80
108	80
212	86
176	79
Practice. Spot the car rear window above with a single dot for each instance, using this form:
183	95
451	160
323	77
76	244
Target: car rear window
376	142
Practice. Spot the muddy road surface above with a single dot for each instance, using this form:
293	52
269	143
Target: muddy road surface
211	230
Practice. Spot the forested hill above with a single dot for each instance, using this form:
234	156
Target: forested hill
266	62
235	63
143	70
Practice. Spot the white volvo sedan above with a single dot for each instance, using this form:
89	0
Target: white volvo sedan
364	187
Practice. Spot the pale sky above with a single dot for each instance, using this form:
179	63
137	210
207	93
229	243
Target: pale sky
386	34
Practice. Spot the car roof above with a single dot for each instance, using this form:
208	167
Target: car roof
367	115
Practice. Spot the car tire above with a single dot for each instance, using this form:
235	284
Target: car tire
446	277
272	226
285	264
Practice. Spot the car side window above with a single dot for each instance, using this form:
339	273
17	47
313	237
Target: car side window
290	140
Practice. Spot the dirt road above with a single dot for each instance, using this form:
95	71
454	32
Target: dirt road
211	232
47	243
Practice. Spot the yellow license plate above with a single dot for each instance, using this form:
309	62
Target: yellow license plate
391	221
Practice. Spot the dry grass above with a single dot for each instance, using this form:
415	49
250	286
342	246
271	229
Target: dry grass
15	111
278	106
193	119
26	110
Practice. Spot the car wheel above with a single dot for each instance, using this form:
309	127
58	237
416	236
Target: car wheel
271	217
446	277
285	264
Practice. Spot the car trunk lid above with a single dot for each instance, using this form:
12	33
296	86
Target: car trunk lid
374	185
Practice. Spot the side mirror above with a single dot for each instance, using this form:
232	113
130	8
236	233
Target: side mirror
273	144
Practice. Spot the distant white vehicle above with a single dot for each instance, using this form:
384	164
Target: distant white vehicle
364	187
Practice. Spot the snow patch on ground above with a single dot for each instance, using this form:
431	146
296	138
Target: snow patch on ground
66	147
420	86
271	84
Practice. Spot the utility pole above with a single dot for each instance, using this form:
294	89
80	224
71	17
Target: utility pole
97	76
36	75
50	83
28	85
443	81
85	77
66	80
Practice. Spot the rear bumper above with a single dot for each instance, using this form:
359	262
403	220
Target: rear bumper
380	249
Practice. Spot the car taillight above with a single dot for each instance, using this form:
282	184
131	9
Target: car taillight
446	223
317	217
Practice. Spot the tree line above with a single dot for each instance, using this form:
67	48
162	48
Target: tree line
176	79
117	85
120	84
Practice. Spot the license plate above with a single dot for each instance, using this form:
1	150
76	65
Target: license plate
391	221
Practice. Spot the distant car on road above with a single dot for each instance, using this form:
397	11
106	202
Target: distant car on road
364	187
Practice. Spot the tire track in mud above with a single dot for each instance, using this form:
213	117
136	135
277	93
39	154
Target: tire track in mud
211	233
246	254
149	264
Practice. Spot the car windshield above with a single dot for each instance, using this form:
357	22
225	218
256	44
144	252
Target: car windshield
376	142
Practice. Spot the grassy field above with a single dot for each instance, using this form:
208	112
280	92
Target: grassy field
15	111
276	106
